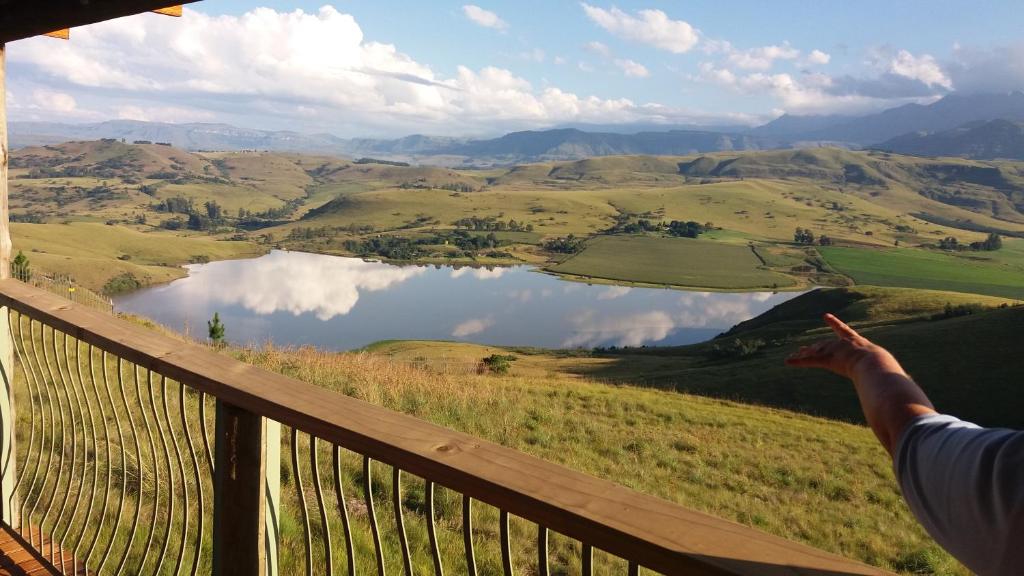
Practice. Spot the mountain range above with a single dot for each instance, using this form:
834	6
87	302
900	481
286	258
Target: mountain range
956	125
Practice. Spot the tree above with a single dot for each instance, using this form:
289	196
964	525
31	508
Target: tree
215	329
213	210
949	243
20	267
803	236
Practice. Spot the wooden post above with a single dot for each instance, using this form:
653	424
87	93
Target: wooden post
273	495
7	460
239	493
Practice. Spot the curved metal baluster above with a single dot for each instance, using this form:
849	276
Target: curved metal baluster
96	467
151	527
167	468
368	488
46	432
634	569
77	541
138	459
587	558
300	490
74	449
200	504
205	432
506	544
467	534
184	482
396	491
64	441
314	464
30	382
343	508
110	466
542	552
435	550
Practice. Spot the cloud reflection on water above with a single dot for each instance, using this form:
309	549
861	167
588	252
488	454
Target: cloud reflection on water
296	282
696	310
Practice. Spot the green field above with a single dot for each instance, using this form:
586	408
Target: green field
94	253
999	273
672	261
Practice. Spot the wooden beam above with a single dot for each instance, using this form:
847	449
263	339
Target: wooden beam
26	18
170	11
8	469
239	493
64	34
661	535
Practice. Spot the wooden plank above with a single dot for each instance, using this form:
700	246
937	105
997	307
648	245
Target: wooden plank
18	558
8	500
239	497
25	18
64	34
175	11
660	535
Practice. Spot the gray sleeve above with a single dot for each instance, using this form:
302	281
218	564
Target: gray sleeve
965	484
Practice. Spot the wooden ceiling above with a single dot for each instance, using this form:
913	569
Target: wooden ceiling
25	18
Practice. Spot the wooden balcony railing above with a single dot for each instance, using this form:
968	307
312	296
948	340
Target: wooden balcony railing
116	463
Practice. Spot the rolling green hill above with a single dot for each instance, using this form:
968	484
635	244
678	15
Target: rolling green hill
331	205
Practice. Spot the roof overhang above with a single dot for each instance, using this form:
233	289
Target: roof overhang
26	18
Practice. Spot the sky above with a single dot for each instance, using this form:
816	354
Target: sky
361	68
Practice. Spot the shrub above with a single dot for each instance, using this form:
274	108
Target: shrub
125	282
498	363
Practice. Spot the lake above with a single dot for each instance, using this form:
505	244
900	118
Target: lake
295	298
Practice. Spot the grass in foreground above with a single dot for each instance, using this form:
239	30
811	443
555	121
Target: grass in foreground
821	482
999	273
672	261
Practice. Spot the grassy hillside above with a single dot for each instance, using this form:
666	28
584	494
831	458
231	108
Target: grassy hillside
338	206
952	358
95	253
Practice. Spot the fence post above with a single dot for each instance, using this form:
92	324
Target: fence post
7	458
273	495
240	493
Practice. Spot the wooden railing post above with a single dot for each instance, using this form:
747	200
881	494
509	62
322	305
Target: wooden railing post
273	495
7	458
240	493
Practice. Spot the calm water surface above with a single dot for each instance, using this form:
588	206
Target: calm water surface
294	298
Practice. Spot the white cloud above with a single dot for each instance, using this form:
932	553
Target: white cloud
817	57
535	55
165	114
267	63
472	326
599	48
993	69
484	18
923	68
652	27
631	68
762	58
58	102
818	93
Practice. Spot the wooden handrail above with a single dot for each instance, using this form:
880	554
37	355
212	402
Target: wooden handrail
656	533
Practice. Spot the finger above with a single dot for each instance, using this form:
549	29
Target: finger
840	328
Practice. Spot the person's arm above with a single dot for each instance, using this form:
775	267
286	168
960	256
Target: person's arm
965	484
888	396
